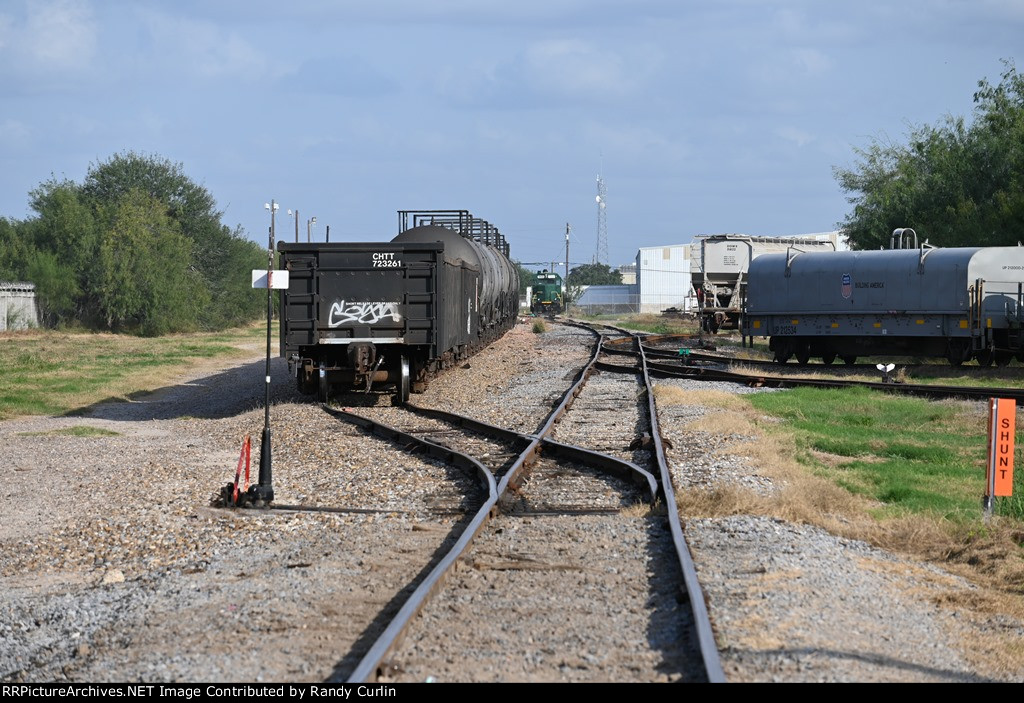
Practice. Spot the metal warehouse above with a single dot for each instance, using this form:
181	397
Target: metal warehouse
595	300
664	278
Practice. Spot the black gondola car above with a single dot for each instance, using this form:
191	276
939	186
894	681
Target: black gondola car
358	314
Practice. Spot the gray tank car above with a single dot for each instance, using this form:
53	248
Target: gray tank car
957	303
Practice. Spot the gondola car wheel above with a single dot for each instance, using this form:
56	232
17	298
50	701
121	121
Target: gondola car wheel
404	383
321	391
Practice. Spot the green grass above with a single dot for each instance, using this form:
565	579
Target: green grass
909	454
56	372
76	431
655	324
652	327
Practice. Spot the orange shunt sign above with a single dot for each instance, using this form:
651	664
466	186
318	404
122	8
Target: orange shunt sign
1002	430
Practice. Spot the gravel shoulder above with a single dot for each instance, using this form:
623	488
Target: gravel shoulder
792	602
114	567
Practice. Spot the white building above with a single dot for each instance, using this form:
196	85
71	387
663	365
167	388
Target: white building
663	278
18	306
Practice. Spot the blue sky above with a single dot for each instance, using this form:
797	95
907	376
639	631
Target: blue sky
704	117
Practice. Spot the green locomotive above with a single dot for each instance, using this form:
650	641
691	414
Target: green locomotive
547	293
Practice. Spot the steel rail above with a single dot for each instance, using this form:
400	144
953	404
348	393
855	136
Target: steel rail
620	468
702	619
370	665
372	662
653	351
926	390
723	359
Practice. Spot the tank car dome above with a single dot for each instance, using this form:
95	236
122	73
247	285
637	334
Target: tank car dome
455	245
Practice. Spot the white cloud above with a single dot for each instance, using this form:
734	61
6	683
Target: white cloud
205	49
553	73
1009	10
576	68
784	73
14	133
50	38
790	23
6	30
811	61
797	136
59	34
639	145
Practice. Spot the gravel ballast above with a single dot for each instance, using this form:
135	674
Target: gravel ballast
114	567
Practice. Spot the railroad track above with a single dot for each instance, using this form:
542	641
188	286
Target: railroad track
537	491
714	367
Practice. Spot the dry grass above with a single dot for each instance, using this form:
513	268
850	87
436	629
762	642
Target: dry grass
726	422
644	510
667	395
814	373
989	555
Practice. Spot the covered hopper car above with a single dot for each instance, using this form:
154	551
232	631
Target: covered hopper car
359	314
957	303
721	281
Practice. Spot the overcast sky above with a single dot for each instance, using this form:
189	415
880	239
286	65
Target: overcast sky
703	116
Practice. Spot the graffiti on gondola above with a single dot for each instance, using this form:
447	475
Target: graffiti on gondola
368	313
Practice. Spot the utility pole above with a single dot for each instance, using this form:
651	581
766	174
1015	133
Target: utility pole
296	213
565	283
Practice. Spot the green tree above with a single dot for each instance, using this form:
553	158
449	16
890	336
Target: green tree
144	279
594	275
137	247
956	185
222	257
57	289
66	237
15	250
525	278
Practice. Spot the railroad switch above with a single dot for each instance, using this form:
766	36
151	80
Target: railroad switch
234	495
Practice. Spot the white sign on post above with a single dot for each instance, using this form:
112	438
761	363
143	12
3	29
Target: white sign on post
278	280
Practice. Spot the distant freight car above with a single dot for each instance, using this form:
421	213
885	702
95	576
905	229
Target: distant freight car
721	282
357	314
547	294
957	303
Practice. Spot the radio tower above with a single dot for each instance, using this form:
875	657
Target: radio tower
601	257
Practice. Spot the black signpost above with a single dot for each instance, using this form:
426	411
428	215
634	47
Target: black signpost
263	492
